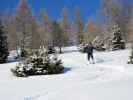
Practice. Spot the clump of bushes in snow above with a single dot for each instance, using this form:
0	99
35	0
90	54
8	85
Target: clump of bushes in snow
3	45
113	41
39	63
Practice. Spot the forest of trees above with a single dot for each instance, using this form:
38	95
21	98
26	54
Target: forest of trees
32	36
26	31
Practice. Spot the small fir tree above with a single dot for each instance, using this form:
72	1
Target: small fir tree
3	45
40	63
117	41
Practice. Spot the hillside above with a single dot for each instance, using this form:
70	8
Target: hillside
110	78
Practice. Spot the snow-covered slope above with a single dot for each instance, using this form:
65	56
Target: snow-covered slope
109	79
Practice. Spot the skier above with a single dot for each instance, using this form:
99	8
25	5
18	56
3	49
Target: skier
89	50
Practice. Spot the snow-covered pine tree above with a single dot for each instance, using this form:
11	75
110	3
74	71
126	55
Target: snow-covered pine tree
99	43
3	45
117	42
40	63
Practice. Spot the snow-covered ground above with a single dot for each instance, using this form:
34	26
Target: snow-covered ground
109	79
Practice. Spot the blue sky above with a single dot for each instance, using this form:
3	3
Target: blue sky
54	7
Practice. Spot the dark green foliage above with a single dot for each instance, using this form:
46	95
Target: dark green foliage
51	50
39	63
25	53
117	41
80	38
58	38
3	45
19	72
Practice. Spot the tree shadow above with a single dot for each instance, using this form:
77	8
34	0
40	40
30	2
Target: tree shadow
66	69
99	60
69	51
11	60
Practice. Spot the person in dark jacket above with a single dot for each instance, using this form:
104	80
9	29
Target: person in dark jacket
89	50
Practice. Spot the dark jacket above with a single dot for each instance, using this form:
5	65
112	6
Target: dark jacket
89	49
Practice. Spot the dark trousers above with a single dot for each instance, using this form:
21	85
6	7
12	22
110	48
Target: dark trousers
90	56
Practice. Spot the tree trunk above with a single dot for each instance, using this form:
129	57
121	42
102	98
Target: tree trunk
60	50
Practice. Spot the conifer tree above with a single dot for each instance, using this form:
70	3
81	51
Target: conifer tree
39	63
117	41
24	24
45	28
65	25
57	36
3	45
79	27
36	38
